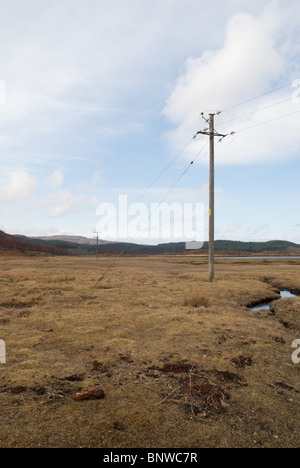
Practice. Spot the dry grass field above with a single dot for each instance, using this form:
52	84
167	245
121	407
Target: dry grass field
182	362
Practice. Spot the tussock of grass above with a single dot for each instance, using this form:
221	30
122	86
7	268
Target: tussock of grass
287	311
65	279
196	300
18	304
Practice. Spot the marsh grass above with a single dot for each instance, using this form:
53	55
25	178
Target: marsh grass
182	362
196	300
64	279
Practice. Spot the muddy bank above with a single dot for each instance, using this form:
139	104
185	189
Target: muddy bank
287	312
264	301
285	306
291	284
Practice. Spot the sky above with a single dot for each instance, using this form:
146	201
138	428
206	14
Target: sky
102	99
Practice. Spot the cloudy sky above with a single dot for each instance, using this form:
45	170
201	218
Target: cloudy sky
103	98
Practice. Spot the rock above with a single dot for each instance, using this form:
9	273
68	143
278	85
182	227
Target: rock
97	393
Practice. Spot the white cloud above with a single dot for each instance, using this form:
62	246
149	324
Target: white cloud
96	179
250	60
64	203
19	189
85	83
56	179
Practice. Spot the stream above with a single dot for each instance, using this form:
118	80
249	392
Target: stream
266	305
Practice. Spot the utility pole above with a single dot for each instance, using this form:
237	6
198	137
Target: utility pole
97	238
212	134
211	252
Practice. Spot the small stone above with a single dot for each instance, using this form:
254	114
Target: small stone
97	393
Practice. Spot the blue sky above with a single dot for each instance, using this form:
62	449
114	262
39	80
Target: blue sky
98	97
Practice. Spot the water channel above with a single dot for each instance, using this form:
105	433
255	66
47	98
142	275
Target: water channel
266	305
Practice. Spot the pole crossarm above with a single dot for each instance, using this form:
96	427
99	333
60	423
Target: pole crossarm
204	132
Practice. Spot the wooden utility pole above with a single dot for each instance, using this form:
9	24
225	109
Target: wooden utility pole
97	243
211	253
97	246
212	134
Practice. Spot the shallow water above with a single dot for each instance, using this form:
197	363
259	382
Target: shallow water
286	294
266	305
290	257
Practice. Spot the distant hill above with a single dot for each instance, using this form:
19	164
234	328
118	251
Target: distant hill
9	243
73	239
256	247
222	247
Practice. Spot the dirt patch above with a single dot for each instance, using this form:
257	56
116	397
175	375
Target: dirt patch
99	367
18	304
284	386
4	322
197	391
202	398
174	368
75	378
55	390
226	376
14	390
242	361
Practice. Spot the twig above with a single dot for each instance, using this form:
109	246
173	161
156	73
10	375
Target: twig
156	404
191	405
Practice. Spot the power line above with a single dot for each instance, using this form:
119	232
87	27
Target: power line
150	216
140	196
163	171
212	133
260	109
265	123
184	172
254	98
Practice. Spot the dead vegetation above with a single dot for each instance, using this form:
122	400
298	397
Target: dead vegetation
196	300
181	362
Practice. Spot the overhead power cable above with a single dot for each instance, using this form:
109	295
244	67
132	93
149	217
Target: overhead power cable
255	111
139	197
184	172
264	123
151	214
163	171
254	98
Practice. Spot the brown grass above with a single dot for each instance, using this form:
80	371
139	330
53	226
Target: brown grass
182	362
196	300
